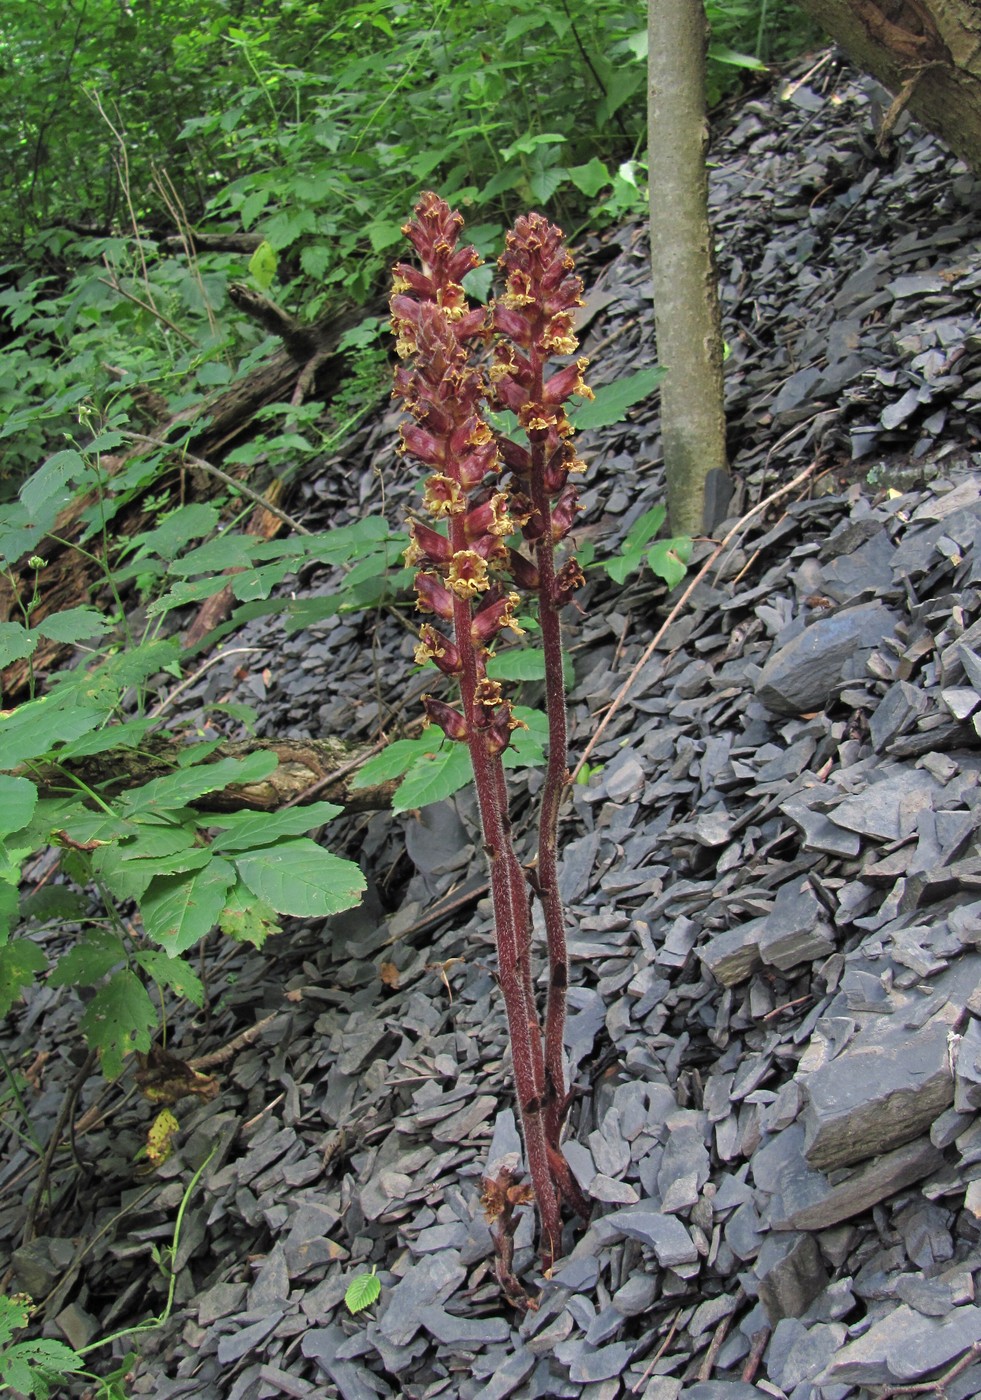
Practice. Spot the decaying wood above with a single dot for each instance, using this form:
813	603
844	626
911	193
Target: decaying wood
309	770
927	52
307	360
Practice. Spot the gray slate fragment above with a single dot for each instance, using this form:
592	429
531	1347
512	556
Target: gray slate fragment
888	809
430	1281
508	1377
791	1274
903	1346
602	1364
464	1332
665	1234
795	930
802	675
235	1345
809	1201
885	1089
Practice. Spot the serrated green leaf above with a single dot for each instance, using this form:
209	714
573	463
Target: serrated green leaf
612	400
128	869
51	477
18	799
262	265
179	910
434	777
394	760
97	952
115	736
187	591
74	625
14	1314
361	1292
229	552
244	831
39	725
172	534
172	972
298	877
187	784
119	1018
19	961
247	919
15	643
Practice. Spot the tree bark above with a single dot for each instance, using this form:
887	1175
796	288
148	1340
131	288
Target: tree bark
926	52
686	299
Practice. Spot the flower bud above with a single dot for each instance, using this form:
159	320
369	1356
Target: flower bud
564	512
426	546
433	596
493	615
444	654
567	580
452	723
523	571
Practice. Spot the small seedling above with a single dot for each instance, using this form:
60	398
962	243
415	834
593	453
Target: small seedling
362	1291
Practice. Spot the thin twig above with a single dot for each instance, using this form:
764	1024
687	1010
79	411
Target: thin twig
64	1113
231	481
937	1387
737	529
169	699
113	284
659	1353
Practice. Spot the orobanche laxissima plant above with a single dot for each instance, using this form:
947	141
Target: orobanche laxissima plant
484	491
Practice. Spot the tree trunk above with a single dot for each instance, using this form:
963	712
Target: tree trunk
926	52
686	297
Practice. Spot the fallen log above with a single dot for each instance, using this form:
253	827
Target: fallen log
309	770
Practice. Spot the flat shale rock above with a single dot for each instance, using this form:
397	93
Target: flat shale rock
803	674
904	1346
884	1090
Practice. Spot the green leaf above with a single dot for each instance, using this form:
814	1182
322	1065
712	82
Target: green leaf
51	478
15	643
298	877
18	798
612	400
247	919
721	53
669	559
97	952
394	760
177	789
74	625
244	831
434	777
19	961
174	531
36	727
590	178
527	746
179	910
638	540
172	972
115	736
362	1291
14	1314
315	260
262	264
118	1019
228	552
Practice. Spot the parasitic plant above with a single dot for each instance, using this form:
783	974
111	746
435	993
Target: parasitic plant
483	492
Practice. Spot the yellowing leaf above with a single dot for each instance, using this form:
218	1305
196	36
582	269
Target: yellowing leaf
160	1137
